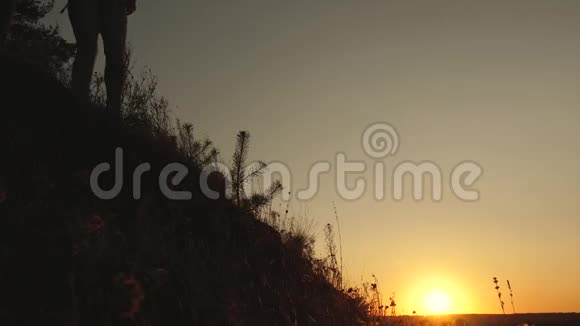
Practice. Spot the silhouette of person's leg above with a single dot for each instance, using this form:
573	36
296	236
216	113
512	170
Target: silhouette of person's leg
83	15
114	33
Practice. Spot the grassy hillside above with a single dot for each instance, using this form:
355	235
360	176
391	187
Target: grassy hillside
70	258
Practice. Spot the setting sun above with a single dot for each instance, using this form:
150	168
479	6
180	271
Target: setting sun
437	303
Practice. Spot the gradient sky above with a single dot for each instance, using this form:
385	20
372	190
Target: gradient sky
496	82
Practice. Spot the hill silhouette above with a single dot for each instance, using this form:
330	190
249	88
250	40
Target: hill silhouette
70	258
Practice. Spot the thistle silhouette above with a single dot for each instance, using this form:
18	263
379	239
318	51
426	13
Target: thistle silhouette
511	296
495	280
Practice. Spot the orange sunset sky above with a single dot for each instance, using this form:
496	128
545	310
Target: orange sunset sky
494	82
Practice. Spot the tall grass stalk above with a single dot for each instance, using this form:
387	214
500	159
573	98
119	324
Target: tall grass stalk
495	281
511	296
339	241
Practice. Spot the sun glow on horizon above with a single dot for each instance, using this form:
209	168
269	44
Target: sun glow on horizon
437	303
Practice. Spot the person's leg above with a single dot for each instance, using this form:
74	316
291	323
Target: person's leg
83	15
114	32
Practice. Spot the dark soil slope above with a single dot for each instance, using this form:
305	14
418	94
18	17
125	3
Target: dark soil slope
69	258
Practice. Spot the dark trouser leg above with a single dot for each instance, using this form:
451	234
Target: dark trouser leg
114	33
83	15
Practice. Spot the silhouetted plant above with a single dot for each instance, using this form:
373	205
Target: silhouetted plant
145	109
241	173
393	305
339	241
200	152
373	299
141	102
239	165
511	296
495	281
36	43
376	300
142	105
333	271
